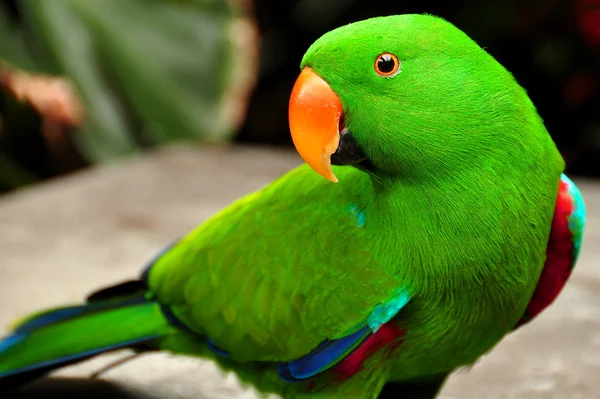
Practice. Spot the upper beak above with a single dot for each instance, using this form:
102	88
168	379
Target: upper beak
314	117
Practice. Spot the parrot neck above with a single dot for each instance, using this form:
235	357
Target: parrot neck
430	221
402	196
415	204
449	227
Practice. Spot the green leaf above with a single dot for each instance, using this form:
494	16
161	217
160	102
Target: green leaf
12	46
72	45
171	60
148	71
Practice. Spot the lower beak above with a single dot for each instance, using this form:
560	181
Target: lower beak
314	116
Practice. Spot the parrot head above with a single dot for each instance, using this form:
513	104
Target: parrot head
410	96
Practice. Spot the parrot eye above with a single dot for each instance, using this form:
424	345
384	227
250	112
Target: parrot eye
387	65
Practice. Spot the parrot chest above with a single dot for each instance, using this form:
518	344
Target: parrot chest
458	316
467	292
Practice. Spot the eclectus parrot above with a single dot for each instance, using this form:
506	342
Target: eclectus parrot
451	225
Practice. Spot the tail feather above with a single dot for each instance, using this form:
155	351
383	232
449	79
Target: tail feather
64	336
39	320
15	378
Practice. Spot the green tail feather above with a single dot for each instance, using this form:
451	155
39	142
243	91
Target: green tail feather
64	336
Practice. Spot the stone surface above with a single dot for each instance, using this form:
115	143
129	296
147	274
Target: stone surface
61	239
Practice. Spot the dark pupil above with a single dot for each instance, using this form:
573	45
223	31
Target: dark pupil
386	63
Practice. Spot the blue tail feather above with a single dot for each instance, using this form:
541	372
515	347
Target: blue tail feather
10	341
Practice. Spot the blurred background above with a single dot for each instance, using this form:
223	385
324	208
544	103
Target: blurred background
86	82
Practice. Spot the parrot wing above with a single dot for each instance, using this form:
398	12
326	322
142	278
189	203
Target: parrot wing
283	275
562	251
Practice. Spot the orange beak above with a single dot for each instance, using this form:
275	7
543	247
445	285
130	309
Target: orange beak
314	116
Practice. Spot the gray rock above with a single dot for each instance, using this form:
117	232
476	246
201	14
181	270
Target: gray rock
61	239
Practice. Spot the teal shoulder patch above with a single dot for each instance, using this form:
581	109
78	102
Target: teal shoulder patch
387	310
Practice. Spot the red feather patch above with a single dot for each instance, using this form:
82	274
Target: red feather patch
559	257
387	336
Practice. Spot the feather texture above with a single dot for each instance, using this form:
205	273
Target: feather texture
325	356
59	337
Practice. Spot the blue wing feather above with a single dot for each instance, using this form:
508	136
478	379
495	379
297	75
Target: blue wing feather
325	356
331	352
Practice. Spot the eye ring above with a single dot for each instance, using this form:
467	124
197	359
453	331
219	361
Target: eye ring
387	65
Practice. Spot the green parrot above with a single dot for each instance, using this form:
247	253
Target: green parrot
451	224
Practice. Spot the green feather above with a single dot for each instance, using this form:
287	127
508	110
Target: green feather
86	332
